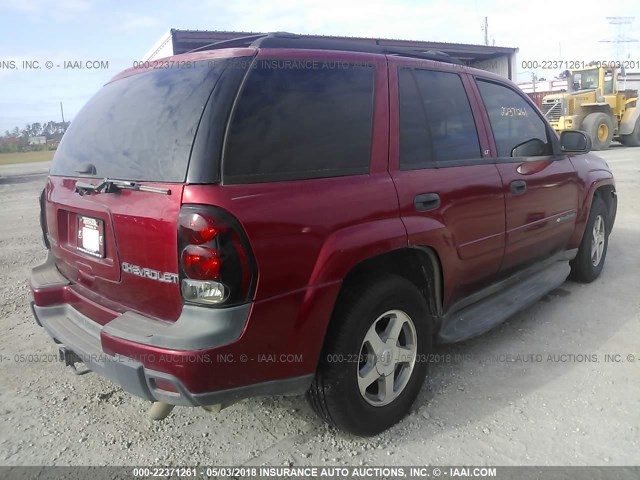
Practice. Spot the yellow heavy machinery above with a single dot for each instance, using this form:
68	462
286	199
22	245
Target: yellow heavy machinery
594	105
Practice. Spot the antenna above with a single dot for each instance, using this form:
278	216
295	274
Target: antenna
620	37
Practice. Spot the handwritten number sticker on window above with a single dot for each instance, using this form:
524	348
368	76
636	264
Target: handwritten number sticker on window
513	112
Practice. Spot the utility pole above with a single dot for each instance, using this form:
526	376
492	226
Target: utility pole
485	29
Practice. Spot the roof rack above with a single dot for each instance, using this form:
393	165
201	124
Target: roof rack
291	40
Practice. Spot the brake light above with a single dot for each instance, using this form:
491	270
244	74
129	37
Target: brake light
216	262
201	263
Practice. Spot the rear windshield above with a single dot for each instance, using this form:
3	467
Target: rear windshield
140	127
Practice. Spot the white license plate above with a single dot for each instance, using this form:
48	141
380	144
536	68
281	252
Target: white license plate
91	236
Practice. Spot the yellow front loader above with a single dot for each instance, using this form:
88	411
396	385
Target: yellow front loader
594	105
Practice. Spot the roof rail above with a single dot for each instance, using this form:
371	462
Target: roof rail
293	41
231	43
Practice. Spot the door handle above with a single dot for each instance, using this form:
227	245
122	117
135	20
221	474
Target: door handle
518	187
426	201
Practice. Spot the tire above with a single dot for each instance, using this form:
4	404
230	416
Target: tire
633	139
599	126
335	394
584	267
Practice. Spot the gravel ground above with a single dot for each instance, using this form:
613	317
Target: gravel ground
559	403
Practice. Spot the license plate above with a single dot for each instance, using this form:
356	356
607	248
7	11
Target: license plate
91	236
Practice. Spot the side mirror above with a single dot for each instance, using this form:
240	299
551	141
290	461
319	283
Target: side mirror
573	141
531	148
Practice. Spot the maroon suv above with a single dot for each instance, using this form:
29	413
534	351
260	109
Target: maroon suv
280	215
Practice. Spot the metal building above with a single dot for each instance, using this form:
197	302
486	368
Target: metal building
500	60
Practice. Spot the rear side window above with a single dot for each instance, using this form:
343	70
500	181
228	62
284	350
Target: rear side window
517	129
139	127
436	123
300	120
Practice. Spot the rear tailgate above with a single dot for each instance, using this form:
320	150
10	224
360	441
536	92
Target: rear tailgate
135	229
119	246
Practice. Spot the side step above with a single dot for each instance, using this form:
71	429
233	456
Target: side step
494	309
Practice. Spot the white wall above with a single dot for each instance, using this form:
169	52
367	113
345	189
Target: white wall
498	65
163	48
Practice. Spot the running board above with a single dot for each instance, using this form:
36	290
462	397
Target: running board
483	315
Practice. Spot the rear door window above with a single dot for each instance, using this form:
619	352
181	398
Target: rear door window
436	123
140	127
517	128
301	120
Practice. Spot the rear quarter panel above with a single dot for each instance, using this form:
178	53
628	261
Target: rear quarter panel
306	235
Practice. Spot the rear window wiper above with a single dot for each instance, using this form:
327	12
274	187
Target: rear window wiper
112	186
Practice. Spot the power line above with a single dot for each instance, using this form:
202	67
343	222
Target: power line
620	37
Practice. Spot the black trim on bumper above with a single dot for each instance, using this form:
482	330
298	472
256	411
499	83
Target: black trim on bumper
78	333
75	331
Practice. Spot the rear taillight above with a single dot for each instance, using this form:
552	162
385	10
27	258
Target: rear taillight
216	263
43	219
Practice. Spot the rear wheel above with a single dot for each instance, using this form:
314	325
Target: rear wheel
599	126
589	261
373	363
633	139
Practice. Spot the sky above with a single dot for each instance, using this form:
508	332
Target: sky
122	32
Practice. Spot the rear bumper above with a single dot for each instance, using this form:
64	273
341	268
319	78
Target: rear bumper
127	348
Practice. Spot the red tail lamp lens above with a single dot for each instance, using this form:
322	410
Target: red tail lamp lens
200	229
201	263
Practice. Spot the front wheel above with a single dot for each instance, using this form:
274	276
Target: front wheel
374	360
589	261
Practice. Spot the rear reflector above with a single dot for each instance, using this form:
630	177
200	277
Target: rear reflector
164	385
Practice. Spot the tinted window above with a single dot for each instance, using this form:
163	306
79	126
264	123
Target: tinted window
140	127
514	122
301	119
436	123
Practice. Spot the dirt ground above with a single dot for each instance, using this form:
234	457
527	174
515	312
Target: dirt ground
538	390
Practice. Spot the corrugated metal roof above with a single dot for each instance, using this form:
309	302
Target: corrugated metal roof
185	40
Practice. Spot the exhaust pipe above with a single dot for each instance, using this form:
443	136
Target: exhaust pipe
160	410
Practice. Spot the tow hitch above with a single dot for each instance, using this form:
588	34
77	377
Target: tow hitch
69	358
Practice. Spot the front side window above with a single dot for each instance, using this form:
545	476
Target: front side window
517	129
299	120
585	79
436	123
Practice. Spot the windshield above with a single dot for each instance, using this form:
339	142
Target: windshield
140	127
585	79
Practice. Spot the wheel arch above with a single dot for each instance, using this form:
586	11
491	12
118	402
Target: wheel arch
601	108
419	265
603	188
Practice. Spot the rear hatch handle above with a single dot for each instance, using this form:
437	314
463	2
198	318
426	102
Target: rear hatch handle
112	186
